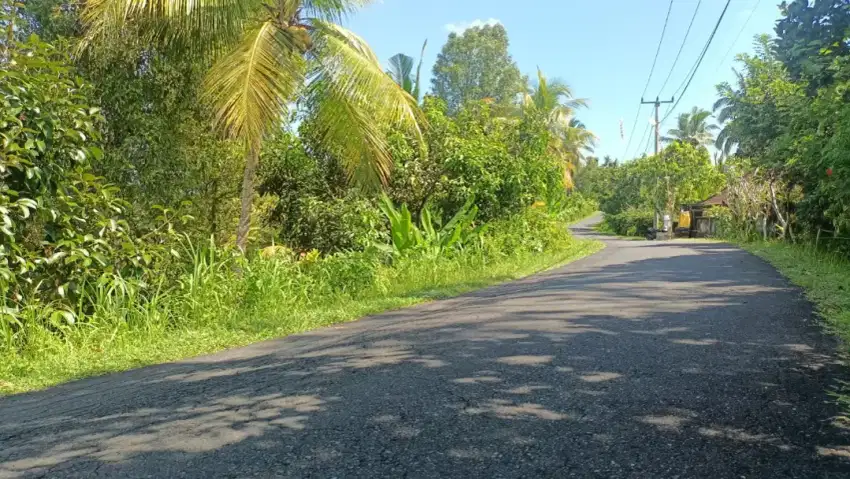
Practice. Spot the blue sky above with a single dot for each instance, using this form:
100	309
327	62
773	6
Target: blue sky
604	50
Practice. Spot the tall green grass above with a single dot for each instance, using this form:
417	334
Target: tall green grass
221	300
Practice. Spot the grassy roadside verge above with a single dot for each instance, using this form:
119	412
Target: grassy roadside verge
824	277
125	347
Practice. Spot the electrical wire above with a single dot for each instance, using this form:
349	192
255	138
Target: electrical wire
738	36
648	141
645	131
658	50
696	66
651	71
681	47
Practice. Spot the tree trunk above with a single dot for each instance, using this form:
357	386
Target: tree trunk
782	221
247	197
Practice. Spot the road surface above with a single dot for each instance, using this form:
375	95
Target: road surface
648	359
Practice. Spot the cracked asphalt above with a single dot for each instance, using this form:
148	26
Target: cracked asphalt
648	359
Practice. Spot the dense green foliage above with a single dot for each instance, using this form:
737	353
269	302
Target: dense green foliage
633	221
220	300
64	231
120	200
788	115
630	194
475	65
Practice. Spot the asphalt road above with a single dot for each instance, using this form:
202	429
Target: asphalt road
649	359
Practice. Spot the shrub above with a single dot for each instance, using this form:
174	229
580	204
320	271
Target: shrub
573	207
332	225
534	230
631	222
724	222
63	237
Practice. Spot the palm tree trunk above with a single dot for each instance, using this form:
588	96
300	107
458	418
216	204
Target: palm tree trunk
247	197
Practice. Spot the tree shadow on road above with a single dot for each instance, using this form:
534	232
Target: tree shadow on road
662	367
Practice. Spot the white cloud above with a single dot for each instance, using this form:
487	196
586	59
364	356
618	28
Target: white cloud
463	26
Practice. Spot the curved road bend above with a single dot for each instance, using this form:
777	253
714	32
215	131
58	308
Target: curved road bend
646	360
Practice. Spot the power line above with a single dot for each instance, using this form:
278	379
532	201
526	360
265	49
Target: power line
681	47
658	50
648	141
738	36
631	132
696	66
645	132
651	71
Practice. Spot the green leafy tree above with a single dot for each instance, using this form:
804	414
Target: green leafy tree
476	65
765	117
681	174
693	128
157	139
401	71
310	206
760	108
266	57
505	165
811	36
50	19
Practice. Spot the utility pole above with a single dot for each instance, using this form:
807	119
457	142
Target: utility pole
657	104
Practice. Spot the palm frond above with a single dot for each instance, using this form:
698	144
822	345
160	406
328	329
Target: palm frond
417	90
331	10
351	135
401	68
725	114
193	26
698	116
563	94
549	94
676	133
355	101
252	85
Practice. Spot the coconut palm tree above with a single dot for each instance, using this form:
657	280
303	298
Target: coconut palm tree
401	71
578	144
569	139
554	98
724	108
266	55
693	128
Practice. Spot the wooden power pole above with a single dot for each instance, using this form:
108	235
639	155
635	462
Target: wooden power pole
657	104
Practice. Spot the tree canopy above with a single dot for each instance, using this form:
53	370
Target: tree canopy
475	65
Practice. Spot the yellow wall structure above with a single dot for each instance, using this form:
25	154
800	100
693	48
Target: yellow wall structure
685	219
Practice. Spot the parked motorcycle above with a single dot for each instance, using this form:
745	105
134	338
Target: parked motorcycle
651	234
